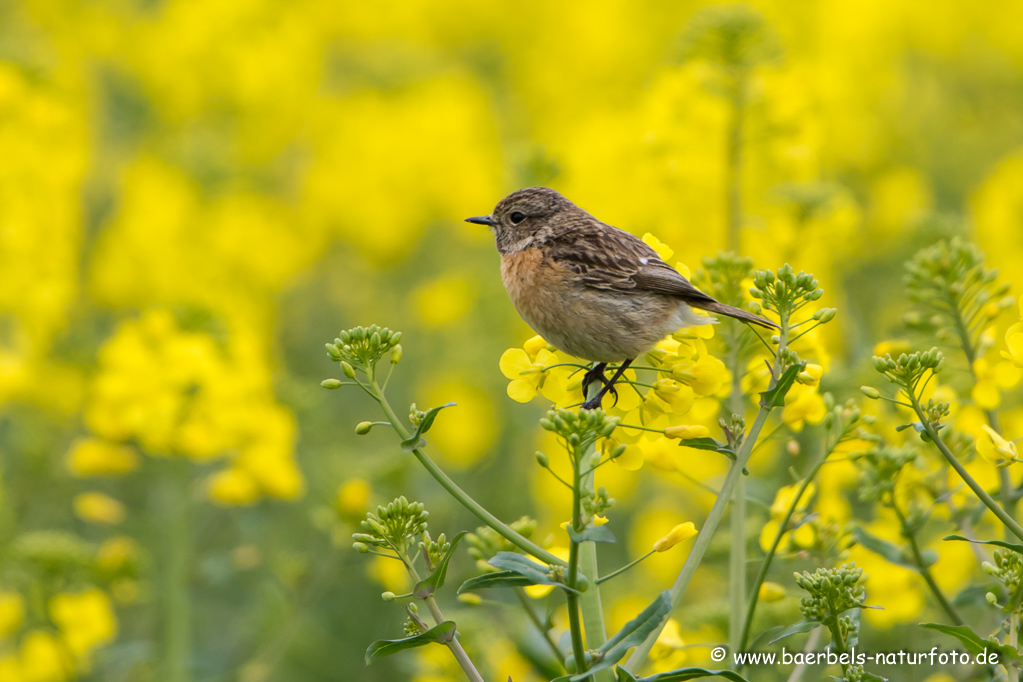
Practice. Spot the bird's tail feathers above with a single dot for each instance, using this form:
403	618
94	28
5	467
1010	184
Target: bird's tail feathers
737	313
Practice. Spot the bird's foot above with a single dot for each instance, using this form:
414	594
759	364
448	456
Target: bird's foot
595	373
592	404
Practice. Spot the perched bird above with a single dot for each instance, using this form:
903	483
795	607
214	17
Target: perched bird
590	289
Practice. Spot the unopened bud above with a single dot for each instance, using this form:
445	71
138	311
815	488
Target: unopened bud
387	596
362	428
348	369
331	384
396	355
542	460
870	392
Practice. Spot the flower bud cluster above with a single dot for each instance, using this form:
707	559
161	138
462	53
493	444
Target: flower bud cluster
580	429
1006	569
434	550
785	292
360	348
832	591
412	628
906	370
396	526
953	272
597	502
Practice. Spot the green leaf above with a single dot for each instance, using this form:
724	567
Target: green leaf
998	543
427	587
890	551
707	443
681	675
592	534
416	439
632	634
445	632
526	567
976	644
776	396
500	579
805	625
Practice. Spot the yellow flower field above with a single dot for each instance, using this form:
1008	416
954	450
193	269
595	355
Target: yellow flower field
196	196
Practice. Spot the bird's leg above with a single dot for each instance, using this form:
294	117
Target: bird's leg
594	402
595	373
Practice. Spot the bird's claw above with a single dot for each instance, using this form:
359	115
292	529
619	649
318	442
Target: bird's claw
595	373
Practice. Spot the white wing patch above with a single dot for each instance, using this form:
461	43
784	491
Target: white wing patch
685	316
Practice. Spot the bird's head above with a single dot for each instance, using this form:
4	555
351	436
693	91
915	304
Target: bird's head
522	216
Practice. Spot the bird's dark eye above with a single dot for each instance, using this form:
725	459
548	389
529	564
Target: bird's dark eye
517	217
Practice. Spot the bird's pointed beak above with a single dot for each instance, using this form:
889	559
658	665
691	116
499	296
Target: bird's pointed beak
481	220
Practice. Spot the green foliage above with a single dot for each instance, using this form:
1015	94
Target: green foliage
443	633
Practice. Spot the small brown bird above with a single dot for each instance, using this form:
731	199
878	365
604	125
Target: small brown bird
590	289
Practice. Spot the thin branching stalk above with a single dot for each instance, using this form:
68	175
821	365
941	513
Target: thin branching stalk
463	497
989	502
438	617
921	565
717	511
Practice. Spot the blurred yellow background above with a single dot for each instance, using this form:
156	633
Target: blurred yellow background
195	196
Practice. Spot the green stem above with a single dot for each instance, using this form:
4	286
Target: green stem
1011	670
737	557
717	511
590	604
988	501
572	579
175	518
534	618
463	497
921	565
838	642
772	551
454	645
624	568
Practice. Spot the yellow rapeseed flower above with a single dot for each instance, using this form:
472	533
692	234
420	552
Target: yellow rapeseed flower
526	373
98	457
95	507
803	405
1014	341
232	487
996	449
86	621
12	612
352	497
771	592
687	431
992	379
44	658
679	533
